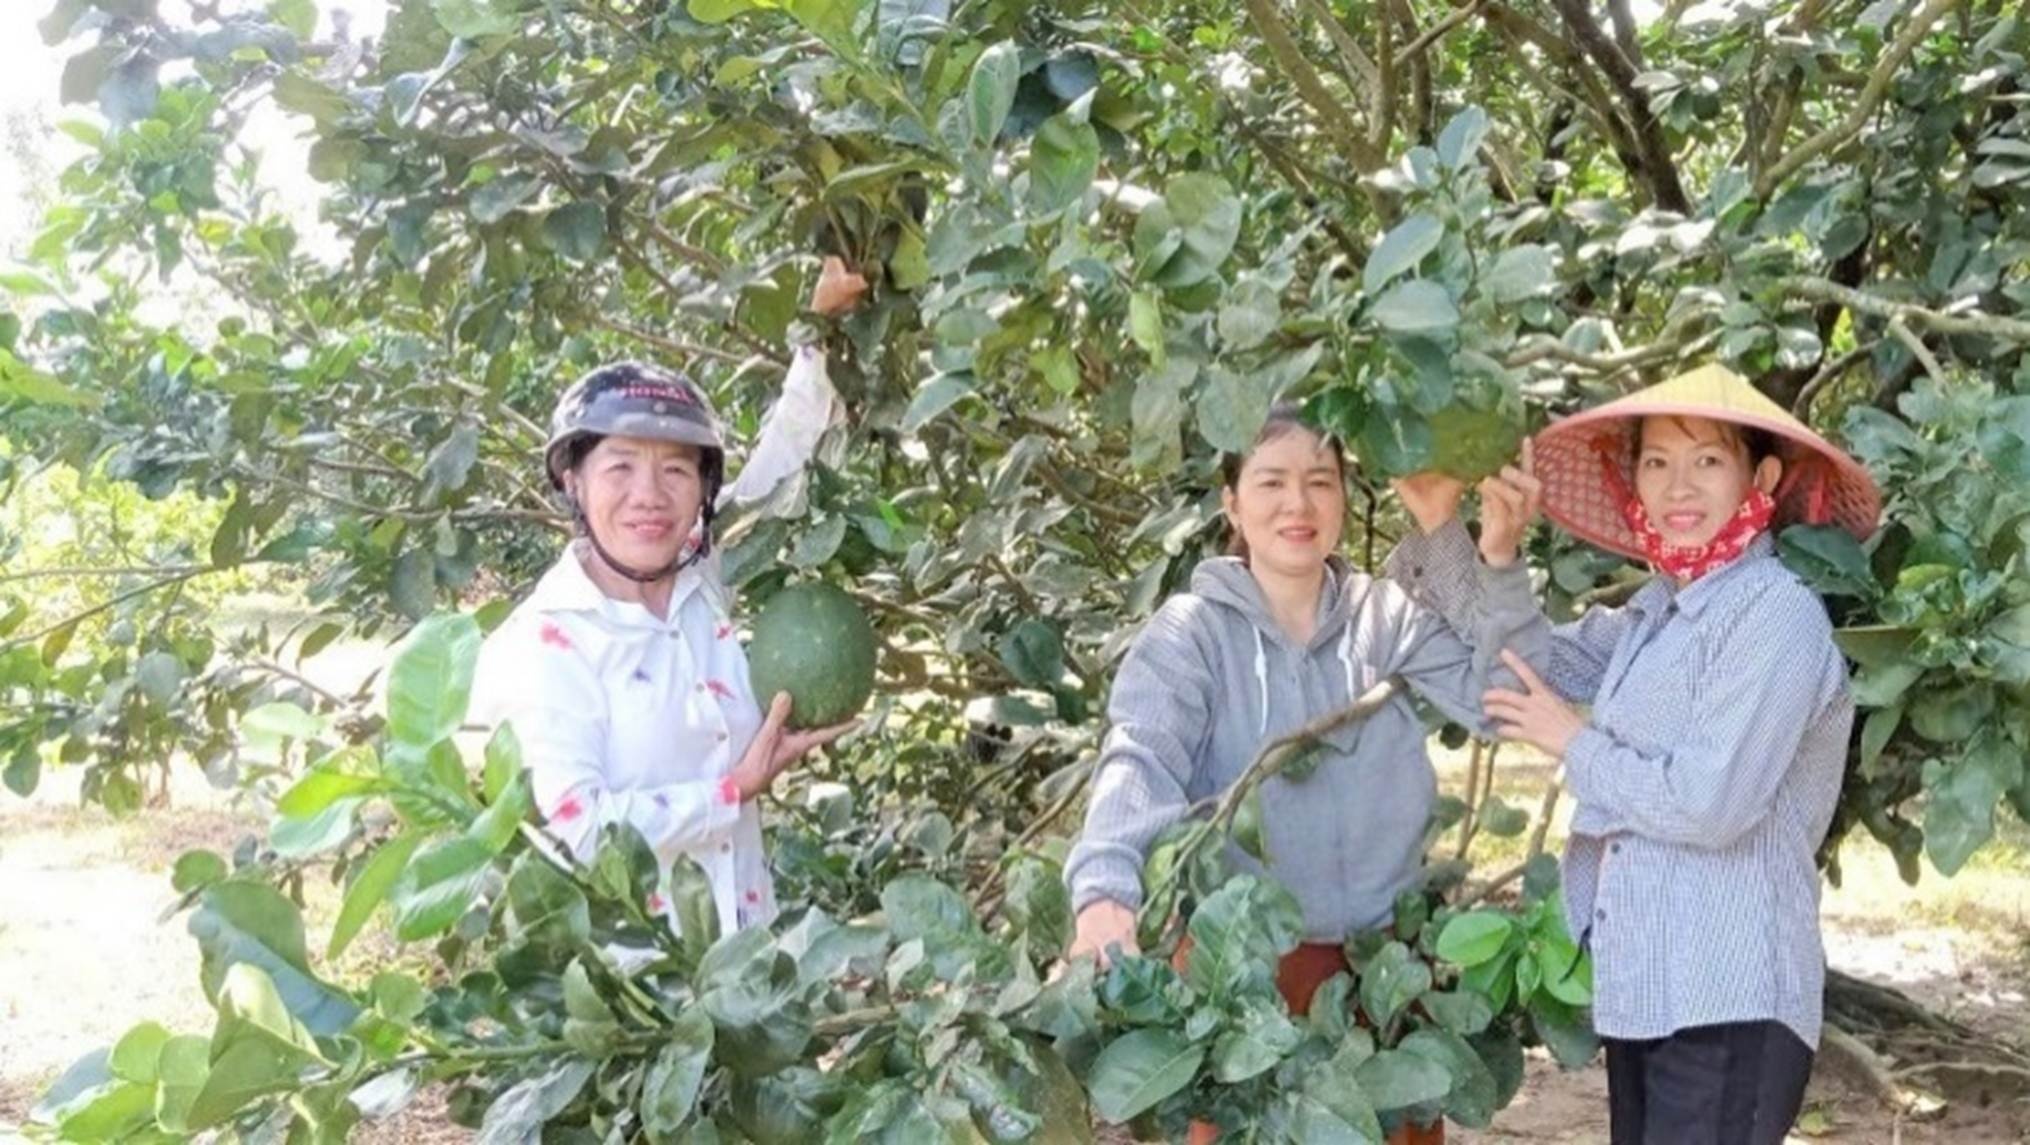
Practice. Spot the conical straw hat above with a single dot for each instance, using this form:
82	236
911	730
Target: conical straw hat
1820	485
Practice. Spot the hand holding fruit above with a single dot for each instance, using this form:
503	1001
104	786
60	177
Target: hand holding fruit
775	747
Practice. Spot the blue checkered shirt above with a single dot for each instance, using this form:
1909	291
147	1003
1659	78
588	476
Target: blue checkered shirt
1704	784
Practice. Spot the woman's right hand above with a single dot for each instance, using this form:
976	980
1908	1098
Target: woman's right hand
775	748
1103	923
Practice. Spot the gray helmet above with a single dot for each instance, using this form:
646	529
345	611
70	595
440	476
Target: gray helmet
636	400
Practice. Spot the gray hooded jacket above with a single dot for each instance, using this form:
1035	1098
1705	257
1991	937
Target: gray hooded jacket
1212	678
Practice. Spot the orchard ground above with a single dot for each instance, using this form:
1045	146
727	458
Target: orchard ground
85	953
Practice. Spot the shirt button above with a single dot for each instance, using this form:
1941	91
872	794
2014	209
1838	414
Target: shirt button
1614	848
1601	914
1417	570
1671	609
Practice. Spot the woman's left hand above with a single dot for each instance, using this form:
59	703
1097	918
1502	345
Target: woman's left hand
775	747
1537	715
1509	502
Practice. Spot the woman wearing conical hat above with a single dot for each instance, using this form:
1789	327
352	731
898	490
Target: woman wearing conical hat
1703	731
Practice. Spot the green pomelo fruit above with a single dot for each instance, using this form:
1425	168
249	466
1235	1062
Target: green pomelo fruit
1471	444
813	642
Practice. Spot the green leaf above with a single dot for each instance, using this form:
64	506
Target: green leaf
137	1052
1331	1107
314	834
1952	715
430	682
1037	903
670	1088
1961	794
498	825
1827	558
1261	1037
1520	272
503	761
718	11
918	906
1464	1012
1158	413
1406	245
1459	143
1390	982
1472	1099
990	93
1248	314
1033	653
1395	1079
517	1116
474	19
438	886
934	398
299	16
1248	828
1063	158
370	886
1570	1040
1139	1069
1416	307
196	870
241	921
1875	645
1232	409
498	197
1238	933
259	1049
324	785
1182	239
577	231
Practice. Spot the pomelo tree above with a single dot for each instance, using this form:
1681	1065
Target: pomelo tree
1101	239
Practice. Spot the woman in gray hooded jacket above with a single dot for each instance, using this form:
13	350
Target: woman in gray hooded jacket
1280	633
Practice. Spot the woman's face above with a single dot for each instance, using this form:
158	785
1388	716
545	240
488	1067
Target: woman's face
1289	503
1692	473
640	497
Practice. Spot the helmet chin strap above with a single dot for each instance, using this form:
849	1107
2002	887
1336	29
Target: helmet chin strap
683	560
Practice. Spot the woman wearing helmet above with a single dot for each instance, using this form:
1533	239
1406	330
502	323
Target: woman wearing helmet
620	674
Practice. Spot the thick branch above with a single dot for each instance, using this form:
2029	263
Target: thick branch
1338	122
1360	71
1871	96
1658	169
1965	322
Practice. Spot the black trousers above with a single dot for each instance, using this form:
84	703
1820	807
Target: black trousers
1735	1084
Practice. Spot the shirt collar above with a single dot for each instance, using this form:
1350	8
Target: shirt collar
567	587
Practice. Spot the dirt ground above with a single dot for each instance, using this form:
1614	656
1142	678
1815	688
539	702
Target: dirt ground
83	956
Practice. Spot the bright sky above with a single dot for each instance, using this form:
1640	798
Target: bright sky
33	152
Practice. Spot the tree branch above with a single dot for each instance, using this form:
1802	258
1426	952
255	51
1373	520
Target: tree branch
1966	322
1657	169
122	598
1871	96
1361	72
1338	122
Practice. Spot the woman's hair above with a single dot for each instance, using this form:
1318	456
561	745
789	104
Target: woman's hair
1757	443
1285	418
578	448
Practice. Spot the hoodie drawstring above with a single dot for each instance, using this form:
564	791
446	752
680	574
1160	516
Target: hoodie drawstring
1346	658
1262	680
